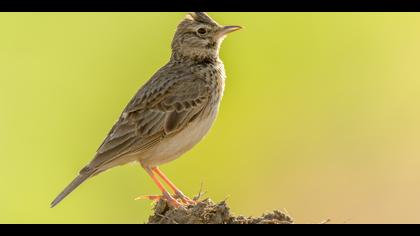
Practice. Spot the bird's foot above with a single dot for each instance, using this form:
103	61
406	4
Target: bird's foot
149	197
177	200
185	200
167	197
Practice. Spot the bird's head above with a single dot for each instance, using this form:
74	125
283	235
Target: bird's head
199	37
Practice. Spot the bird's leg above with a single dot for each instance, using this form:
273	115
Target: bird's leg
171	200
177	192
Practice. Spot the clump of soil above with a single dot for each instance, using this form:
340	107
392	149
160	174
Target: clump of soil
208	212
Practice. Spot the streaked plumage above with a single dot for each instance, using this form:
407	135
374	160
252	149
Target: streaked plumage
173	110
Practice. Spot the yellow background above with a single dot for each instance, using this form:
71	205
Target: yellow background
320	115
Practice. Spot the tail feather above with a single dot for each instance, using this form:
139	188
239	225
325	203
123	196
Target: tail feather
72	186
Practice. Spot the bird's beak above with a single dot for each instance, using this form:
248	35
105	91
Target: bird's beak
227	29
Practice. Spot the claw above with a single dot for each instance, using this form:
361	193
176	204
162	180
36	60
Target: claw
186	200
151	197
171	200
168	198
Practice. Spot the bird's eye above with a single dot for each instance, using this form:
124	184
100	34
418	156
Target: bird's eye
201	31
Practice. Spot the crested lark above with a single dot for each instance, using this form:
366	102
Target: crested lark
171	112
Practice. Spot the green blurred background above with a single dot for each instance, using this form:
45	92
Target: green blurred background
320	116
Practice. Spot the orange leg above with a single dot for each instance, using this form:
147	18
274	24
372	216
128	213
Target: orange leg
171	200
177	192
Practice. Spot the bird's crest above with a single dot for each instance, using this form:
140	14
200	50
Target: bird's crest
200	17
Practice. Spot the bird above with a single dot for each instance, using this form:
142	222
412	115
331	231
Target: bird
171	112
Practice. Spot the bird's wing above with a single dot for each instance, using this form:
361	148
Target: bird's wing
160	109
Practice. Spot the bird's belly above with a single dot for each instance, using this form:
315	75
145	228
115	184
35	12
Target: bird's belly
172	147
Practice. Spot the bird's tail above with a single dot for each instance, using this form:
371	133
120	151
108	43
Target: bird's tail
72	186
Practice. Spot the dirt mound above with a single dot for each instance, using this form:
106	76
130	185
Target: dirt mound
207	212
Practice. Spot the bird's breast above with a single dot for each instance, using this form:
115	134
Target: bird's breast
174	146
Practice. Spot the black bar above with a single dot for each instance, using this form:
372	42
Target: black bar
210	6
